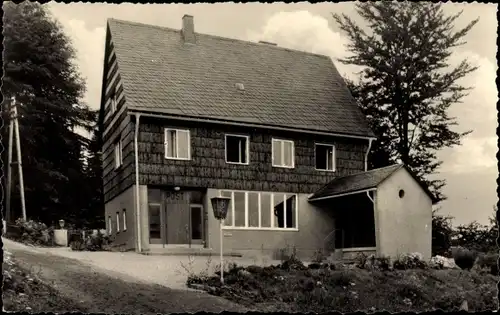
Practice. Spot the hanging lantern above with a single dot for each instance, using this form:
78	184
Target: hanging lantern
220	206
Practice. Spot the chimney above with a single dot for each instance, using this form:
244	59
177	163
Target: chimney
188	29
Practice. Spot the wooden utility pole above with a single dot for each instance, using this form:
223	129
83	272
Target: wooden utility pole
14	126
9	164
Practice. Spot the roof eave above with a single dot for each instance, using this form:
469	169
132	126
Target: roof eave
359	191
148	112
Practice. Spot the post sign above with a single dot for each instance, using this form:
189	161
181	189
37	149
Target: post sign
220	206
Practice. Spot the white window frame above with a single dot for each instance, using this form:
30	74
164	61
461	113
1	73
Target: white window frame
271	213
247	145
333	157
124	214
110	225
282	144
177	144
118	222
118	152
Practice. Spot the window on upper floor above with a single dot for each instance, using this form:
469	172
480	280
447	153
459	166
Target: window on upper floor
177	144
118	149
325	157
237	149
283	153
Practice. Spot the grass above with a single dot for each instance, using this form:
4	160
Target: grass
24	291
354	289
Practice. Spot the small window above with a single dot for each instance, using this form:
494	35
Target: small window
110	226
124	220
117	222
283	153
237	149
113	101
325	157
177	144
401	193
118	153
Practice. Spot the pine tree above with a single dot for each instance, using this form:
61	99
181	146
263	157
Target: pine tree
39	70
407	86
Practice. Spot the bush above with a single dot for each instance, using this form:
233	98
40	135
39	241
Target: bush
33	233
441	262
92	242
360	260
441	234
464	258
489	261
318	256
410	261
289	259
378	262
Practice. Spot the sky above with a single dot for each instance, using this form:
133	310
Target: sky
470	169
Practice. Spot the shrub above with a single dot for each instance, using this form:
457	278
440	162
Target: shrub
318	256
489	261
92	242
409	288
77	245
34	233
464	258
360	260
410	261
96	242
378	262
441	234
289	259
441	262
343	278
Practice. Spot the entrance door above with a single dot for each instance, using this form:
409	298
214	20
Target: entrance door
156	223
196	226
177	214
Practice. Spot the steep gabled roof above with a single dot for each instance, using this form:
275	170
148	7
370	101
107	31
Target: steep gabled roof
282	87
363	181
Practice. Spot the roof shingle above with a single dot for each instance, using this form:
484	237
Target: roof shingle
282	87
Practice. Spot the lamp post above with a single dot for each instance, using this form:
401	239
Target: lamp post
220	206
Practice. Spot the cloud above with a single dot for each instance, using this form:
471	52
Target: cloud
305	31
89	46
475	154
478	113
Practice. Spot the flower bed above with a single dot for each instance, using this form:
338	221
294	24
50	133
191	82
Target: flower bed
293	287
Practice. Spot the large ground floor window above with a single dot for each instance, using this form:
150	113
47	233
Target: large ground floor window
261	210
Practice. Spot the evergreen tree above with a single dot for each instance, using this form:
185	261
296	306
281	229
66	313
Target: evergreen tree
39	71
94	201
407	86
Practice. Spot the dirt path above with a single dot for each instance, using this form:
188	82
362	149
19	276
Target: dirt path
101	291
